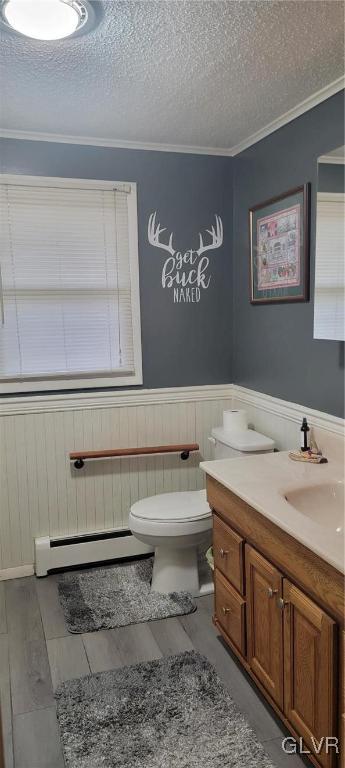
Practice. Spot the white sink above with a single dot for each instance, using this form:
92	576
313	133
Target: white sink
304	500
322	503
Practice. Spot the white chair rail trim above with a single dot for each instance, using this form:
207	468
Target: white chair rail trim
15	406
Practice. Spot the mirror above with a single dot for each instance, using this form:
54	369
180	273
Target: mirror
329	300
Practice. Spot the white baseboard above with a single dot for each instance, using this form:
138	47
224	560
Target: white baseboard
16	573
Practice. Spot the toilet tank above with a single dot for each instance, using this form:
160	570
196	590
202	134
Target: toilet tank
234	439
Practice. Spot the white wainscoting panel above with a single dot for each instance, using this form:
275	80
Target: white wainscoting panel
281	420
41	494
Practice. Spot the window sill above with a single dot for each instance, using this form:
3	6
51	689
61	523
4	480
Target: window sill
61	384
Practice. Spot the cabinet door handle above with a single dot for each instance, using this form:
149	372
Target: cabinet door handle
223	552
226	610
283	603
271	592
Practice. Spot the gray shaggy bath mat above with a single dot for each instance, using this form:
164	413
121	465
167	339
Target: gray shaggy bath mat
169	713
104	598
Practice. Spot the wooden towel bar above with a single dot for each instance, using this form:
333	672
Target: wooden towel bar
79	457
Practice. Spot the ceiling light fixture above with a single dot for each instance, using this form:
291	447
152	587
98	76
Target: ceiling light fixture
45	19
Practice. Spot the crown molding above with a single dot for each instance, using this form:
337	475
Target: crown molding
331	160
92	141
304	106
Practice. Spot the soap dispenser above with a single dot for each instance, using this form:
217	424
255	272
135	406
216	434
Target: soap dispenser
305	441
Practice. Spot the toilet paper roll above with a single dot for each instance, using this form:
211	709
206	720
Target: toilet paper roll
235	421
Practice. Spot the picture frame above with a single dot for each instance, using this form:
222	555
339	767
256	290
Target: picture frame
279	248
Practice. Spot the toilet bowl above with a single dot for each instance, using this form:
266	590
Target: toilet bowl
177	525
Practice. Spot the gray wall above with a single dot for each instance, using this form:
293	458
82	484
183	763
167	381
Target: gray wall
183	344
331	178
274	349
223	338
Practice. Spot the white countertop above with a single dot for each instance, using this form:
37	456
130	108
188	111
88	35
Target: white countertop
262	480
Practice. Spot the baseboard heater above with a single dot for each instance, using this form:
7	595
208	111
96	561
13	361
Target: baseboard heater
82	549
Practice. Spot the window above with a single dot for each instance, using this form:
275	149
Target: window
69	290
329	318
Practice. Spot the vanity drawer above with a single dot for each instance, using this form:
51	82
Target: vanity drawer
231	612
228	549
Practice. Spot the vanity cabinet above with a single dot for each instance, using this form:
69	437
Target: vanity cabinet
281	610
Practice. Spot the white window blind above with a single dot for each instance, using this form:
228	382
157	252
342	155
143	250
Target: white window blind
329	302
67	299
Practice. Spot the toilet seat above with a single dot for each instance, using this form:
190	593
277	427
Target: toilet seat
179	507
170	516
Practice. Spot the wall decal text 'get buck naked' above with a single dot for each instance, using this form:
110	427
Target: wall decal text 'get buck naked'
185	273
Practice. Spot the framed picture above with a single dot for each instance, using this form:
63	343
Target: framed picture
279	248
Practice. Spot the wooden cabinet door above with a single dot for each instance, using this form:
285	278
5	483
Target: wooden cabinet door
309	670
230	611
265	623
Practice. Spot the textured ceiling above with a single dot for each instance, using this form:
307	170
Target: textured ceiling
194	72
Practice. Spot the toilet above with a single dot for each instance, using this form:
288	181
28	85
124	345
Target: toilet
178	525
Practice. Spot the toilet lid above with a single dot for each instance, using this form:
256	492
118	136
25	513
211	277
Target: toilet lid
246	440
173	507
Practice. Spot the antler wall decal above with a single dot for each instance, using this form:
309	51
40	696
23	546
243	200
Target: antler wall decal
185	272
217	237
153	233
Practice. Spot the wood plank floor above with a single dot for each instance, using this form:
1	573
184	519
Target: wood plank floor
37	653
